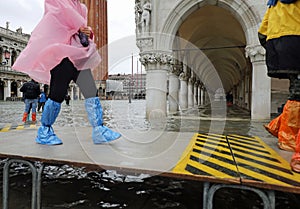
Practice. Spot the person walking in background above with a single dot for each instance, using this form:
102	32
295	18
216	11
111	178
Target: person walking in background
31	92
42	101
279	34
67	98
61	49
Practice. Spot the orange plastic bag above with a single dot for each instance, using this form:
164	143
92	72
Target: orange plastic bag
295	162
286	126
273	126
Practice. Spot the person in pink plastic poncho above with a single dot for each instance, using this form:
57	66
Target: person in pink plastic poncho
55	55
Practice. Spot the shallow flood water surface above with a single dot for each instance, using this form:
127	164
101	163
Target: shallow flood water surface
66	187
70	187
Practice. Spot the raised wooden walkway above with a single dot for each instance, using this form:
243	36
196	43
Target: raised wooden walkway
220	161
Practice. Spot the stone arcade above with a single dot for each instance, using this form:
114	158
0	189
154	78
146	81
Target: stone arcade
193	48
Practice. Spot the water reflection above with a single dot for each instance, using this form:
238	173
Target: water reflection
68	187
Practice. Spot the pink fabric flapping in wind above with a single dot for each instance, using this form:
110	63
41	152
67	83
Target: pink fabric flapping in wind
54	38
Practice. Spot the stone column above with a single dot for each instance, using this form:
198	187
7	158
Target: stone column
196	93
19	93
77	93
202	96
174	85
261	84
199	94
241	91
7	92
157	66
191	92
183	92
72	92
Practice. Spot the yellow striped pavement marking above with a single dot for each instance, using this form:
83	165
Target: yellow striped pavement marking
20	127
234	157
5	128
32	126
205	155
10	127
271	168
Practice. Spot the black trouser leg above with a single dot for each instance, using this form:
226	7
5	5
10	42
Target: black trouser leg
86	83
61	76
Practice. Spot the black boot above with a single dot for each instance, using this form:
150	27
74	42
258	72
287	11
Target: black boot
294	88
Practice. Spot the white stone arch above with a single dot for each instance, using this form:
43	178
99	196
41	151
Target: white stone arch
247	16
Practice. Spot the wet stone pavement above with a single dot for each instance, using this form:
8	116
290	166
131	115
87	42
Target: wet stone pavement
71	187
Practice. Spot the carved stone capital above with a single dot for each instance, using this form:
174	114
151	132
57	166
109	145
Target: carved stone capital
183	76
156	59
176	69
255	52
192	80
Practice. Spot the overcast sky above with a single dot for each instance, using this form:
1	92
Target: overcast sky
27	13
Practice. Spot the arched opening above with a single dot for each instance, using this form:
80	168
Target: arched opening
13	57
220	36
14	89
1	57
2	90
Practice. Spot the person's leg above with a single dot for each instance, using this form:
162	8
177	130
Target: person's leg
61	76
30	106
294	88
101	134
86	83
26	111
39	106
33	107
43	104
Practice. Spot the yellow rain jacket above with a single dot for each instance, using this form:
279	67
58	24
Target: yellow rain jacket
281	20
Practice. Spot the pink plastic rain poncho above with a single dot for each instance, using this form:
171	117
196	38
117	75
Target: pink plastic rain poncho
54	38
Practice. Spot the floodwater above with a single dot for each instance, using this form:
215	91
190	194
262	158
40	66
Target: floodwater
74	188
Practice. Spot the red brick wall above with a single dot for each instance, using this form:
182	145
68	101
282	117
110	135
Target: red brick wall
97	19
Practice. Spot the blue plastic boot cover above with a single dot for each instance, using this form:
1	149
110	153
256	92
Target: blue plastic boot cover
101	134
45	133
47	136
94	111
50	113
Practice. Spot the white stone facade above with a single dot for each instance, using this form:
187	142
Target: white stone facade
11	44
199	46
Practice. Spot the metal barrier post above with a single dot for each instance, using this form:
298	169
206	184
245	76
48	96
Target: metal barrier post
40	168
205	192
36	183
268	200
